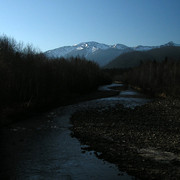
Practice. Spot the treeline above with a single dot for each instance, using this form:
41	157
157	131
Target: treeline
156	77
28	77
116	73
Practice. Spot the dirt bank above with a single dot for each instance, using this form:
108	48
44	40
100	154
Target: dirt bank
145	141
19	112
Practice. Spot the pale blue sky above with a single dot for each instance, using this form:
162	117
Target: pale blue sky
49	24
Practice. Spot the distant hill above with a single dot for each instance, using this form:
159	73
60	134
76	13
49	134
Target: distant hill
98	52
132	59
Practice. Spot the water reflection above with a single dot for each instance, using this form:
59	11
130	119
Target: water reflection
43	148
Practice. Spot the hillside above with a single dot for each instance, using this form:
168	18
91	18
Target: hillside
132	59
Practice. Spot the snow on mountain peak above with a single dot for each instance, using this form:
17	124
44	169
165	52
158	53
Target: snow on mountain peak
119	46
143	48
93	44
90	47
170	43
79	48
93	50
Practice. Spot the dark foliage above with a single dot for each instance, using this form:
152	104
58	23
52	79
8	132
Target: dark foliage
156	77
28	77
116	73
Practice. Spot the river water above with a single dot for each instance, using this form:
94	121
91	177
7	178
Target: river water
42	147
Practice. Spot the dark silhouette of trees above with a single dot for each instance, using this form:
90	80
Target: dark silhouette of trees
29	78
156	77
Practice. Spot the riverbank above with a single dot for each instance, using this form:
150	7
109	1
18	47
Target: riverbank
42	147
143	142
20	112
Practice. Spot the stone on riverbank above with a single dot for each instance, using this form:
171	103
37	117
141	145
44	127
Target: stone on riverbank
144	141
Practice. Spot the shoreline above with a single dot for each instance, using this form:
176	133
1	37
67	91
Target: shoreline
12	115
144	142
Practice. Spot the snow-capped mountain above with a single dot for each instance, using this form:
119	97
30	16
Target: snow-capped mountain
98	52
170	43
90	47
144	48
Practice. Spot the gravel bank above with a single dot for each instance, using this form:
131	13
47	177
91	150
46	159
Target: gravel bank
144	142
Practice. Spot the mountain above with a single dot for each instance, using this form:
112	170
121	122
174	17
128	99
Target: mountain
144	48
98	52
170	43
134	58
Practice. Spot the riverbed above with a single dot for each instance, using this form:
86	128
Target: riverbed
43	148
141	140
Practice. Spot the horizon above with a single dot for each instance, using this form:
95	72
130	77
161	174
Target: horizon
90	89
115	44
49	25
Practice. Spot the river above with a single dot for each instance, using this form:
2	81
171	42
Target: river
42	147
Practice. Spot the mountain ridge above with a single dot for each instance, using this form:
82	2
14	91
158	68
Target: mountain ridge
134	58
99	52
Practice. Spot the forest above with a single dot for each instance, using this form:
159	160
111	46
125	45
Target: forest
31	81
156	78
28	79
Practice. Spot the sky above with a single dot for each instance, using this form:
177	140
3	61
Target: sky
49	24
